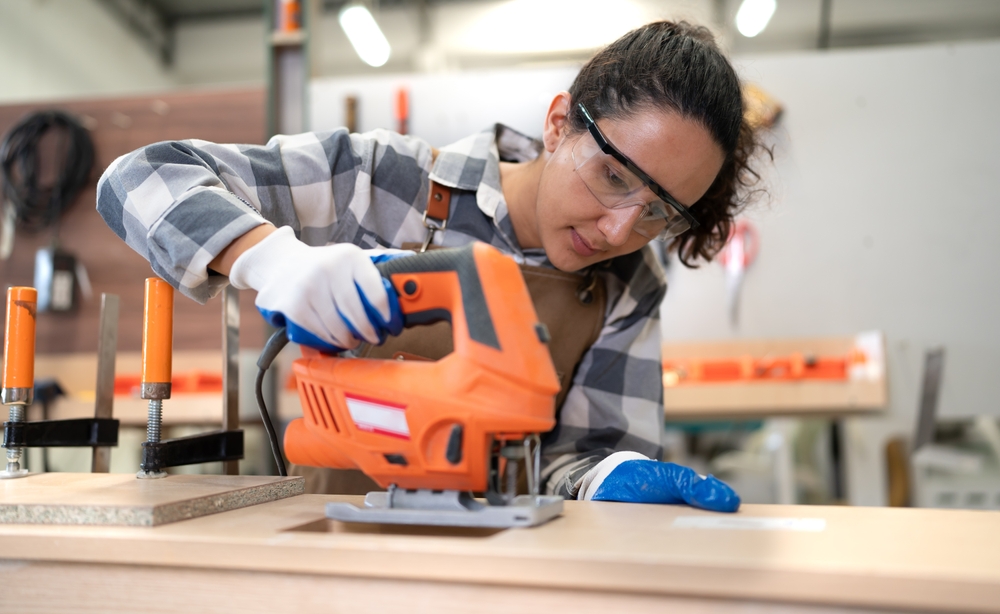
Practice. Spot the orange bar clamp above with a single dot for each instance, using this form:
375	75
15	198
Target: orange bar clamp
18	389
157	357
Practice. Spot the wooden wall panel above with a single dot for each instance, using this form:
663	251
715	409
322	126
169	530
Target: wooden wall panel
120	126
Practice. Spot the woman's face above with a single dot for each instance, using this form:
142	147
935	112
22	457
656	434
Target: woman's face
573	227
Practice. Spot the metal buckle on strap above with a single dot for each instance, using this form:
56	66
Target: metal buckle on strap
432	224
585	292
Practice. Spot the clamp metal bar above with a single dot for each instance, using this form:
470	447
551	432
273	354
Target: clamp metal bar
107	348
231	368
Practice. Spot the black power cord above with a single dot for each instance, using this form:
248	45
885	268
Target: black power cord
274	345
39	207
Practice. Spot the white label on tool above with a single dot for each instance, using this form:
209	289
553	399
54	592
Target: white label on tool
378	416
744	523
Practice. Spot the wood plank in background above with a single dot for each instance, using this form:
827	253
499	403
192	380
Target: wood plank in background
752	400
76	374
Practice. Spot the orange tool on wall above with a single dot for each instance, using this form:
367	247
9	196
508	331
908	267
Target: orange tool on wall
791	367
402	110
189	382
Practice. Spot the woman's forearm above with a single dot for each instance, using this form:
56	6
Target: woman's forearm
223	262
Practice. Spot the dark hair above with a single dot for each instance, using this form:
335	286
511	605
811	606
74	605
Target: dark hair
678	66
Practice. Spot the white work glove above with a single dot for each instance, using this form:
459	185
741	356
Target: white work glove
635	478
330	298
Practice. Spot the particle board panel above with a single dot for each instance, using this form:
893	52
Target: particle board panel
124	500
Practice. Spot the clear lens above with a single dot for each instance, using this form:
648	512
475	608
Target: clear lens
616	187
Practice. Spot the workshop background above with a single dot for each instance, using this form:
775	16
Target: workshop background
881	198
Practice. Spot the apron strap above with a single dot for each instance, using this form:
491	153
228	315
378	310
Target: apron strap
436	214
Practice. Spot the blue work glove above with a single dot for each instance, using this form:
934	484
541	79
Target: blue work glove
634	478
330	298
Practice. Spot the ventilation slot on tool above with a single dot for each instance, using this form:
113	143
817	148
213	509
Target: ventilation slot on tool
305	392
324	409
318	407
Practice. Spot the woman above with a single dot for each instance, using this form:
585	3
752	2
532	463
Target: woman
648	143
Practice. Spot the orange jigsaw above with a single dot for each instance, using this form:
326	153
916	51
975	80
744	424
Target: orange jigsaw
434	424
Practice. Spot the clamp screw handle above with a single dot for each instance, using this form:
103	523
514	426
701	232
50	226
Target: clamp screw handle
157	339
19	343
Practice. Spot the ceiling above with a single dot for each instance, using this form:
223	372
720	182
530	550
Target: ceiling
797	24
174	11
177	11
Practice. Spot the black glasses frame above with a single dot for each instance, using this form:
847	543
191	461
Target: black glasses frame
610	149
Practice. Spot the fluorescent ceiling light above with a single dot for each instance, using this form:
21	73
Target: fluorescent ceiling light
364	34
753	16
550	26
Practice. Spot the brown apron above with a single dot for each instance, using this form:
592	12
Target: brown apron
571	305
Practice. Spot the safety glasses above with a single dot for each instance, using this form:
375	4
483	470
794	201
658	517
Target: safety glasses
617	182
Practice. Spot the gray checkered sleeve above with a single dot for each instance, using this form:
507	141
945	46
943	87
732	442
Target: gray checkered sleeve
181	203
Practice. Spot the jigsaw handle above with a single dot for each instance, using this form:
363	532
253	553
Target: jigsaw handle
425	298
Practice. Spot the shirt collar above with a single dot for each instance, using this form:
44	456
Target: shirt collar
463	164
473	164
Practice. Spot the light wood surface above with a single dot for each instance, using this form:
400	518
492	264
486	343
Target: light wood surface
738	400
907	559
126	589
122	499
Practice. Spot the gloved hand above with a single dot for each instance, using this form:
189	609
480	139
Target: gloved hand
330	298
634	478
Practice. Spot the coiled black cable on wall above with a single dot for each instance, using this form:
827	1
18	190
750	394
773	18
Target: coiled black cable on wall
38	207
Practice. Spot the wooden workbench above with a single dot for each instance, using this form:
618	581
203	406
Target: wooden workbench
599	557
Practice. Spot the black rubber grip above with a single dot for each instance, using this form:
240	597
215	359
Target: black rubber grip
454	450
462	261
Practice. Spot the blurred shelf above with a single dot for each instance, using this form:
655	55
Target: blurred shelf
76	373
862	393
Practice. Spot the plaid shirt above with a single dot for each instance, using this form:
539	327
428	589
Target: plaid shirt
180	203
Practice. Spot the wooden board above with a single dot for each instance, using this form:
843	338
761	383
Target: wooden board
911	559
122	499
739	400
179	410
77	374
